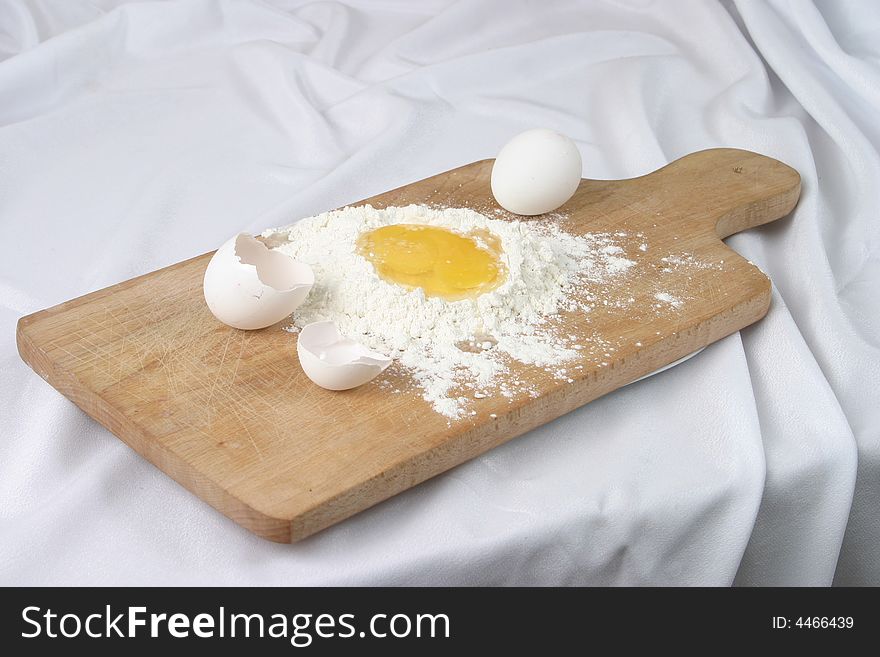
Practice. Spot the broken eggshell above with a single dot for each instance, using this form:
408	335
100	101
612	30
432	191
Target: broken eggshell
249	286
335	362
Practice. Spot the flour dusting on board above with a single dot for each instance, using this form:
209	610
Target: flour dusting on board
458	351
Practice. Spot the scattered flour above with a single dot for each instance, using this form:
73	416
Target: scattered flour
687	261
665	297
455	351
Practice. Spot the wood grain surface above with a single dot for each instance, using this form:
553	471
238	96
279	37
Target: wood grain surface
230	415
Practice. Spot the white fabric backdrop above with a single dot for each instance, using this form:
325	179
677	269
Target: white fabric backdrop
132	137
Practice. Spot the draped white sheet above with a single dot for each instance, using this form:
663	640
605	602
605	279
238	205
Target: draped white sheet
132	137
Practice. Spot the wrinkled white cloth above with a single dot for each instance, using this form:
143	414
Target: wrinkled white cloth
138	135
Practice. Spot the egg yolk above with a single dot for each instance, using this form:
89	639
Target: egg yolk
443	263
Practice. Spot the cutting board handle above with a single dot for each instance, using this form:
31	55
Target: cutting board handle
730	189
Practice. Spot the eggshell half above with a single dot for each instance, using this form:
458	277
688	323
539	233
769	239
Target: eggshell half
536	172
249	286
335	362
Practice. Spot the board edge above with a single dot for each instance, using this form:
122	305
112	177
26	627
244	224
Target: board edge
275	529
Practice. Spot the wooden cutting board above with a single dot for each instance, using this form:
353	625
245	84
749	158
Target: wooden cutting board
230	415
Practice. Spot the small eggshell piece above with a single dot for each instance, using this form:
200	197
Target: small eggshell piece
249	286
335	362
537	171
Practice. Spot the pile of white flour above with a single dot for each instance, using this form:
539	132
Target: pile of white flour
455	351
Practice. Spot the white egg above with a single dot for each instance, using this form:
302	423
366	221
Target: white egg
536	172
335	362
249	286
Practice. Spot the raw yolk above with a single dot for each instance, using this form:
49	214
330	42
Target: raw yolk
443	263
